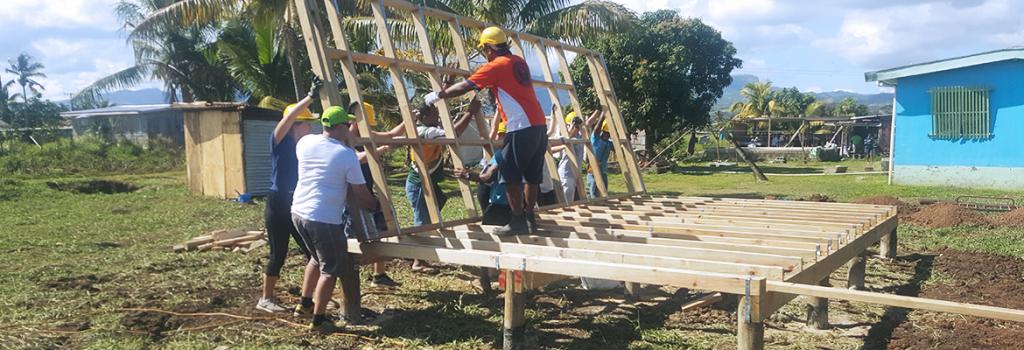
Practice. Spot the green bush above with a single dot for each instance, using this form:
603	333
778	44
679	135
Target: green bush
90	156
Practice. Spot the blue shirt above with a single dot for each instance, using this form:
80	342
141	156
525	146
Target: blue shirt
498	194
602	149
284	165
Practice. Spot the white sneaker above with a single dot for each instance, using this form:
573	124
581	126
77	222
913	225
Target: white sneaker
270	305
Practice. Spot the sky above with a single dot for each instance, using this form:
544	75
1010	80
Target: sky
820	45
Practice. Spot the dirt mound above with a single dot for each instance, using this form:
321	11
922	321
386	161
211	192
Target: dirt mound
817	197
903	208
151	323
947	215
85	282
972	278
1012	219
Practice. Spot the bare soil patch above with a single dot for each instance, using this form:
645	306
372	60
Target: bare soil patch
817	197
85	282
947	215
93	186
973	278
1011	219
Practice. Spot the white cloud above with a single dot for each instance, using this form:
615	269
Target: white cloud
905	34
58	14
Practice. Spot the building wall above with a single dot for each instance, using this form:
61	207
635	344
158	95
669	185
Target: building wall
920	159
136	128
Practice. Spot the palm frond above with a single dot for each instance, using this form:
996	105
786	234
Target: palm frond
184	13
575	23
122	79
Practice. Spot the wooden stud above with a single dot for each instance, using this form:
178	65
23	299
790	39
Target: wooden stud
419	21
402	95
325	70
588	149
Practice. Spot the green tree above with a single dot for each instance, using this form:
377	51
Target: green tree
759	101
179	56
36	113
849	107
5	100
790	102
26	69
667	72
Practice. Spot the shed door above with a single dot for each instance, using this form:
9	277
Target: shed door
256	138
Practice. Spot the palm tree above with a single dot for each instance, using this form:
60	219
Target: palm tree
254	55
759	101
558	19
179	56
25	67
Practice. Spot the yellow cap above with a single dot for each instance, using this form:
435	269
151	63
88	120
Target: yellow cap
604	126
493	36
569	117
501	128
304	115
368	111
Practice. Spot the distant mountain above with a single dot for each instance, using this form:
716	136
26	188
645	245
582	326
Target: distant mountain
731	94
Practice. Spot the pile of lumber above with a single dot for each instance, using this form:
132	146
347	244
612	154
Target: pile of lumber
234	240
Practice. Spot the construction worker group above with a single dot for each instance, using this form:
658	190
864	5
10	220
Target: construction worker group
317	180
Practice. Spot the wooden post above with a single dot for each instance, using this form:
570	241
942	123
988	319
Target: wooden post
855	272
632	291
484	274
887	245
515	305
351	297
749	318
817	309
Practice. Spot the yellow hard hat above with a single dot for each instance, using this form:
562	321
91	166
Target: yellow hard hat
604	126
493	36
501	128
569	117
304	115
368	111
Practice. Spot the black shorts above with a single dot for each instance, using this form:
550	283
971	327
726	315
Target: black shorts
524	155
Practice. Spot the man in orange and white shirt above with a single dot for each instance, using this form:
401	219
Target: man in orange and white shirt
508	78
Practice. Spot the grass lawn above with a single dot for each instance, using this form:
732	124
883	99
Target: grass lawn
72	263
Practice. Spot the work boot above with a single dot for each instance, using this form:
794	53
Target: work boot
326	327
517	225
303	312
531	220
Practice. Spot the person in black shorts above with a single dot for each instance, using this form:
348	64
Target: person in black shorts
277	217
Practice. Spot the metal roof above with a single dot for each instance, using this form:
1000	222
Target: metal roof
889	76
117	110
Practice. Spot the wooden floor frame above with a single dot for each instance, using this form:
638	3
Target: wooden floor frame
765	252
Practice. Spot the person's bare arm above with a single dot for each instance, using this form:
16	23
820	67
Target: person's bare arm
556	149
361	197
459	89
396	131
363	156
467	116
286	122
597	126
594	118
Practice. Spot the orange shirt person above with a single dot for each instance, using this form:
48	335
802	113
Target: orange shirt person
508	78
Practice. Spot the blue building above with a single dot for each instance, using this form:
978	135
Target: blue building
958	121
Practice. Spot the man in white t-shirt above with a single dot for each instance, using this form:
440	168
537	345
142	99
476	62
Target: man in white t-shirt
328	174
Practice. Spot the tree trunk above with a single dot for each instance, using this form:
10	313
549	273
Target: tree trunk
649	142
692	146
753	166
289	42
